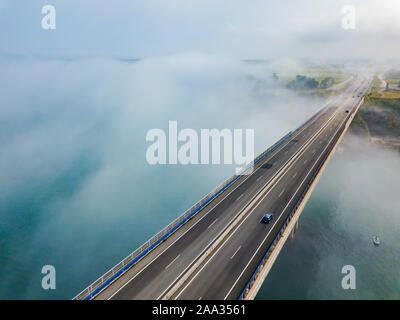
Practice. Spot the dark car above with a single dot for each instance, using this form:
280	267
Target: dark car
267	218
347	111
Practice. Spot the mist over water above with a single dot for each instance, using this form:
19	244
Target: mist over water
355	199
76	191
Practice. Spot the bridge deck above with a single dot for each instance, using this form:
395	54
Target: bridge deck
274	186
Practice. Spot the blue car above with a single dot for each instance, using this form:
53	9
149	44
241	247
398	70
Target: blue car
267	218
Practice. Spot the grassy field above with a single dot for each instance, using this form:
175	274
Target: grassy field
392	81
337	76
320	75
318	92
379	116
389	103
376	91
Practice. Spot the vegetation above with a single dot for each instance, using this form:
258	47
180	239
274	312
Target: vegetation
377	92
393	81
303	82
317	83
320	74
379	116
326	83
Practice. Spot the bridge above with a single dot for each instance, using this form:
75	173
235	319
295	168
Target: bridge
218	249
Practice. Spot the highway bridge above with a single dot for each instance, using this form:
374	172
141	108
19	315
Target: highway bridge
218	249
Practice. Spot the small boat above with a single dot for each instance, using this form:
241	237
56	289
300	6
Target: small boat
376	240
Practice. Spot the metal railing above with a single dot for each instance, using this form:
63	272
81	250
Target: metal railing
256	273
140	252
111	275
258	270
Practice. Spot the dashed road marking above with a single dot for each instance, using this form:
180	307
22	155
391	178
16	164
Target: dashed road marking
212	223
172	261
236	252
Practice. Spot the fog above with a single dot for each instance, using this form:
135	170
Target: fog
76	189
355	199
155	28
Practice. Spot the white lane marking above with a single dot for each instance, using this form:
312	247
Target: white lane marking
172	261
239	197
313	136
245	218
246	205
130	280
237	228
259	178
236	252
199	298
305	161
281	212
281	193
212	223
321	115
295	175
254	209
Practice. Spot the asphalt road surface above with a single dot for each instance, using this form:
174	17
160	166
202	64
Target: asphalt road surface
227	270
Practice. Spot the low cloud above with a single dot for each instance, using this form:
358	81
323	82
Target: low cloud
73	161
356	199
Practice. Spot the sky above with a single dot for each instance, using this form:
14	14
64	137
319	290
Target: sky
244	29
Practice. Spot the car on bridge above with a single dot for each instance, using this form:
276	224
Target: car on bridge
267	218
